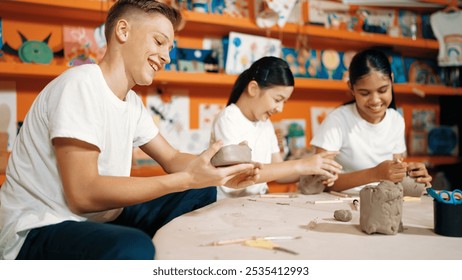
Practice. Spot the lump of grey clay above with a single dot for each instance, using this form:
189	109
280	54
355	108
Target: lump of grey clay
411	187
311	184
381	208
343	215
232	154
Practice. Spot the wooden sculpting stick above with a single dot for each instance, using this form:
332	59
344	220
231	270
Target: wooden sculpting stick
242	240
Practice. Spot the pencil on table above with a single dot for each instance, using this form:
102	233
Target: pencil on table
339	194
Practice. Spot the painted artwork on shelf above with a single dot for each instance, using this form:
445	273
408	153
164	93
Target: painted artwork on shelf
397	67
207	114
318	11
236	8
417	142
217	6
215	45
193	60
293	130
173	65
269	13
303	63
197	141
376	20
170	111
83	45
443	140
423	119
333	65
244	49
422	71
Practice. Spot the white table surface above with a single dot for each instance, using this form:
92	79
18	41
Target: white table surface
183	238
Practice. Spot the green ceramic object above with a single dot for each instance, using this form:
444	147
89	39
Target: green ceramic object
35	52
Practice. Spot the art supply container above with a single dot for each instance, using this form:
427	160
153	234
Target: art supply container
447	218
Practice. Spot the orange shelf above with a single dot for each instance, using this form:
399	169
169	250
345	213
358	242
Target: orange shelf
89	10
434	160
442	2
423	90
30	70
194	79
217	79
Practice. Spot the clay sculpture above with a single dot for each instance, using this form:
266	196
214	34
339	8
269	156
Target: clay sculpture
311	184
232	154
381	208
412	188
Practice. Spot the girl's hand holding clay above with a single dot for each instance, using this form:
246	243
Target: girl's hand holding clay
419	171
390	170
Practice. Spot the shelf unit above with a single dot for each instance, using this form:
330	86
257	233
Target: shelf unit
87	10
220	24
93	12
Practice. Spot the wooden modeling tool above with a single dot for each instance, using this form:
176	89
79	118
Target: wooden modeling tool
338	200
267	244
339	194
278	195
243	240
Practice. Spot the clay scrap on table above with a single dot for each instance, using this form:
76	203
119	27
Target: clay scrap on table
311	184
232	154
343	215
381	208
412	188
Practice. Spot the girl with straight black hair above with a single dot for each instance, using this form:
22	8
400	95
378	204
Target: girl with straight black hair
260	92
368	132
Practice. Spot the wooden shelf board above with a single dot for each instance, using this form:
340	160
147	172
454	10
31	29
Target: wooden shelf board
89	10
434	160
30	70
189	78
80	4
222	80
423	90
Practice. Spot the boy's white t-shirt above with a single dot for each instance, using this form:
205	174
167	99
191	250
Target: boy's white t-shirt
361	144
77	104
232	127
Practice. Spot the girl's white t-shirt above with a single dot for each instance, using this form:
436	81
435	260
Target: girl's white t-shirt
361	144
78	104
232	127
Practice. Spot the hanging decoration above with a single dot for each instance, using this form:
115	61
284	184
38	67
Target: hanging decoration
32	51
